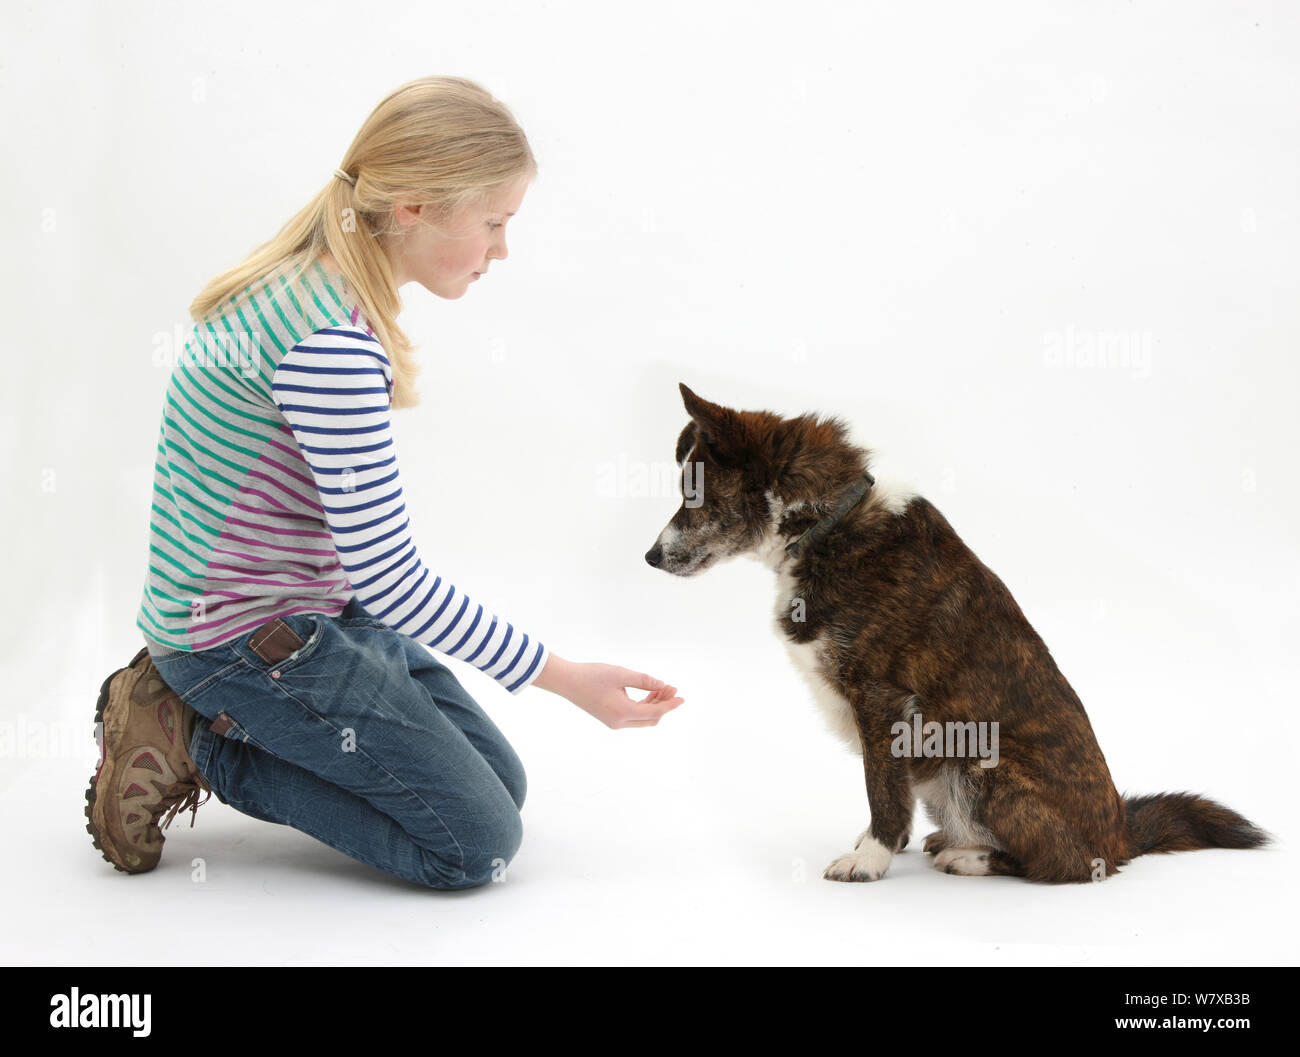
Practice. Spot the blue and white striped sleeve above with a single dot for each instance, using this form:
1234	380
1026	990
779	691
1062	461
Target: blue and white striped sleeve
333	389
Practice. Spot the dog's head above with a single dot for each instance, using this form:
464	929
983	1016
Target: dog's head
750	479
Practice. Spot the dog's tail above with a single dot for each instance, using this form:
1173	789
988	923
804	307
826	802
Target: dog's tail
1183	822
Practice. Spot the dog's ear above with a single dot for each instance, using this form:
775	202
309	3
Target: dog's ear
722	430
684	441
704	413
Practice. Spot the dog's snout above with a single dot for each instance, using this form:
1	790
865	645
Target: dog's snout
655	555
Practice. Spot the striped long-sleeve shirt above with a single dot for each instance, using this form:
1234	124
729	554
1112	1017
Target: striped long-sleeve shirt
277	488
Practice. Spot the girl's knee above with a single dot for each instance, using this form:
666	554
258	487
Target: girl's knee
486	854
496	849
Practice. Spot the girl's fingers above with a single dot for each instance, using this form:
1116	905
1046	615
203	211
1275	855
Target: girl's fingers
641	681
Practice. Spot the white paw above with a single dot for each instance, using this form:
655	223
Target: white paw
868	862
969	862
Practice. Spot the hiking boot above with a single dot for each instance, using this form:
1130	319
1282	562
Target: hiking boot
144	769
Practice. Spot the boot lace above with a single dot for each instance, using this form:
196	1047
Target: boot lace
181	796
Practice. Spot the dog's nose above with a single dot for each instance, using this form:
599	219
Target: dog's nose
655	555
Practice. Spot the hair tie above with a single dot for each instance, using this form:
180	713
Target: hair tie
344	176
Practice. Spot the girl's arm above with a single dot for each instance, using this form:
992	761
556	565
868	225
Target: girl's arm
333	389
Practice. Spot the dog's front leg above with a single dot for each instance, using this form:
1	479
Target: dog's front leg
877	707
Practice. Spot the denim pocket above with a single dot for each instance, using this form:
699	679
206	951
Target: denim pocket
270	655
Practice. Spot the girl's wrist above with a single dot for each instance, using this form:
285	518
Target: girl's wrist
555	675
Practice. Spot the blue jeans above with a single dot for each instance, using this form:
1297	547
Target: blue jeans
362	739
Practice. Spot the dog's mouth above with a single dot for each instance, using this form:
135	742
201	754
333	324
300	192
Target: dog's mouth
698	562
689	565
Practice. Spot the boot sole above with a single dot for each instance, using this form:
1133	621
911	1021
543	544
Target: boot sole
106	848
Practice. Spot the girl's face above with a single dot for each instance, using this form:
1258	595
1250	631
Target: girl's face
446	262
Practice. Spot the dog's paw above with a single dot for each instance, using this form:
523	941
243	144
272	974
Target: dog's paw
935	842
867	862
969	862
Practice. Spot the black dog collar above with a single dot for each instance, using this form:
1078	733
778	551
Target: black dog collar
851	497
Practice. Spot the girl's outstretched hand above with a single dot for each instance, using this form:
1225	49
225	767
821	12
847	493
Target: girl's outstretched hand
600	689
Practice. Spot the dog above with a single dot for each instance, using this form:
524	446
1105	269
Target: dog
916	652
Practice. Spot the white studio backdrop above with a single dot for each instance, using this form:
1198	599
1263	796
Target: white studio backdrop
1041	256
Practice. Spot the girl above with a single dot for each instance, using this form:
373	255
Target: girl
286	609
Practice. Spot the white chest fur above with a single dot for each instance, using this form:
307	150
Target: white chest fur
834	707
809	659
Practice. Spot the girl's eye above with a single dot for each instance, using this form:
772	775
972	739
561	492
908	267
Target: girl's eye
491	225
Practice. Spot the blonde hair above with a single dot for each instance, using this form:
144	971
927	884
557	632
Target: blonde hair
444	142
